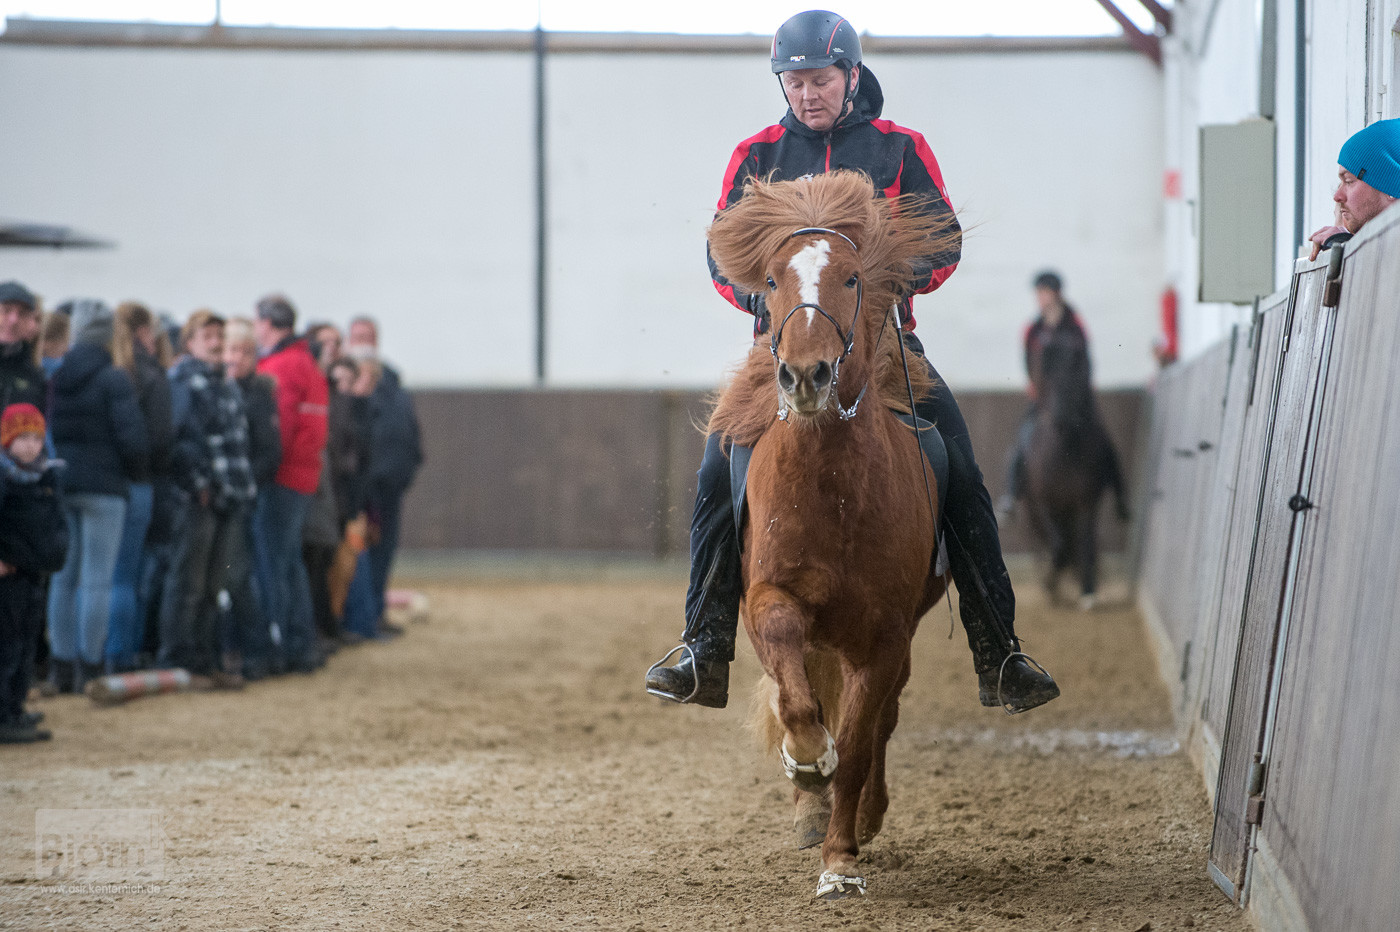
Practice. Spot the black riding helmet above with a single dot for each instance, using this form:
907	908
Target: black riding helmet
815	39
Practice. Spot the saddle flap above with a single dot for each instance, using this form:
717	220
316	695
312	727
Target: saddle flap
931	442
738	483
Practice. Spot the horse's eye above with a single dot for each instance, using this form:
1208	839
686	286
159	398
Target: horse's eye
852	281
772	285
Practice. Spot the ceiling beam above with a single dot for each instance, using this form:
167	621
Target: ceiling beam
1161	14
1145	43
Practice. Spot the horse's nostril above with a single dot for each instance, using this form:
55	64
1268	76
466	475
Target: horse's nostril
821	376
786	380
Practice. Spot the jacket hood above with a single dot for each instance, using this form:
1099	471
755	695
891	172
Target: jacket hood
80	364
868	104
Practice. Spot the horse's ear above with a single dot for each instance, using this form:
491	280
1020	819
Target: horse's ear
854	232
734	252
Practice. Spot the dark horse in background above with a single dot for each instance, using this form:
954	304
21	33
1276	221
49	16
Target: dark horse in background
1069	463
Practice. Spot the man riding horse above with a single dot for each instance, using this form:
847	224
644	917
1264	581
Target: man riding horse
1057	325
833	121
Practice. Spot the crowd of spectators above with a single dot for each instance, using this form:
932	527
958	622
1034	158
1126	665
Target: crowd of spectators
219	495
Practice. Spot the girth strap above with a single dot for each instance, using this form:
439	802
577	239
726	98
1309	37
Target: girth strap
930	441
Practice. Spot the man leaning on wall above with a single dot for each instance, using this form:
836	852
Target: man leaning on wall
1368	173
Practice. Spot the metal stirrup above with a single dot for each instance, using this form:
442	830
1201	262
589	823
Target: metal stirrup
1001	671
695	673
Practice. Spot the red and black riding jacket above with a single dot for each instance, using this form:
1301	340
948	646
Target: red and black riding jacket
898	161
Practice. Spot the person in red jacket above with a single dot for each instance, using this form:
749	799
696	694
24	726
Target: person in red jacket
303	400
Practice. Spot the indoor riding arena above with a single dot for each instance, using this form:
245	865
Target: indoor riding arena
524	213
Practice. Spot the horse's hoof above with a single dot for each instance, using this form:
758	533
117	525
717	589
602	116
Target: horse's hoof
834	886
810	834
811	828
1087	603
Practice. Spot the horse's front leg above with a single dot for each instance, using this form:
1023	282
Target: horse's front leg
875	797
867	689
778	628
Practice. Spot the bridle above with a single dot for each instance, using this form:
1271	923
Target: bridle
847	337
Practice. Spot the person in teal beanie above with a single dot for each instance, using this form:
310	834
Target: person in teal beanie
1368	172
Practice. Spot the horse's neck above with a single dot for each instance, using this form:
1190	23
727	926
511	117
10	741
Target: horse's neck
837	451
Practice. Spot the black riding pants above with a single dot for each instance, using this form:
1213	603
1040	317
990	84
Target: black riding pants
987	602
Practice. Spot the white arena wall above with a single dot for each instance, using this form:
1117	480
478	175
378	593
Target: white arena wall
394	174
1214	69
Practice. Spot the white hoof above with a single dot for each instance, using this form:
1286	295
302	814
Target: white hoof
834	886
1088	603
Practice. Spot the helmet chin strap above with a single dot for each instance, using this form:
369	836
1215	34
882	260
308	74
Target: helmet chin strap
849	99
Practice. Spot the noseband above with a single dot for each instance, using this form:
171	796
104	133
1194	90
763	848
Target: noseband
847	337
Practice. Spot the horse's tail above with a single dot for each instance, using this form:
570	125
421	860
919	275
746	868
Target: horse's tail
824	676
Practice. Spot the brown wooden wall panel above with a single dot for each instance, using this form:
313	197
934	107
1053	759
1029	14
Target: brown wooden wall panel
614	471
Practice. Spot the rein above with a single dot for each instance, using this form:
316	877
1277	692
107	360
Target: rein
847	337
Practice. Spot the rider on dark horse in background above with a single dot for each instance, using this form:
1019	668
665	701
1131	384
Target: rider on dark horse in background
834	123
1059	326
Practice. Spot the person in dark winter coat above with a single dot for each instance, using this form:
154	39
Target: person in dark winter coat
34	545
251	637
21	378
140	348
98	430
396	454
321	535
210	466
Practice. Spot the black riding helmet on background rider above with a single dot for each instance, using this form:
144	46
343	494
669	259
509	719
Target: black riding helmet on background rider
816	39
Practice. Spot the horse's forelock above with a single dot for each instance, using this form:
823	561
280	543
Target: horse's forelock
890	236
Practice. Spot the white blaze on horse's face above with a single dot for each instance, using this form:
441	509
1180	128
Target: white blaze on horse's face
808	264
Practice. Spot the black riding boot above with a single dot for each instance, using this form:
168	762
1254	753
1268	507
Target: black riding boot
712	600
986	601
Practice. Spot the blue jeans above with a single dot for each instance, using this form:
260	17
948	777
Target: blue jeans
80	594
126	626
362	609
278	518
382	552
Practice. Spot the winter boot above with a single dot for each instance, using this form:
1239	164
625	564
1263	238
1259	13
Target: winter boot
1017	684
62	673
712	599
87	673
702	675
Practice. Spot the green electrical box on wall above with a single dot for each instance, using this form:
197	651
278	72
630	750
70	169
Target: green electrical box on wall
1238	201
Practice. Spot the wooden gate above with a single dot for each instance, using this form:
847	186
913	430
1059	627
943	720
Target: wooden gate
1287	432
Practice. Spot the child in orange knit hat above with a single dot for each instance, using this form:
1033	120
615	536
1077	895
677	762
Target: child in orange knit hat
34	545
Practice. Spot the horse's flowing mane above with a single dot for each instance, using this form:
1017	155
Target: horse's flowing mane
891	237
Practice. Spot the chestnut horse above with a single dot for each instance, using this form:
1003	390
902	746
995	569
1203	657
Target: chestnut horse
1070	463
840	534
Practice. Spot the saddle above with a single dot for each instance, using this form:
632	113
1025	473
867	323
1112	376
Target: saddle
930	443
